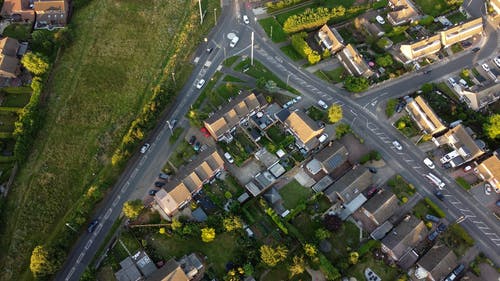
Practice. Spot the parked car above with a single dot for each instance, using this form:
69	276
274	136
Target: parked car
487	189
397	145
205	132
245	19
486	67
200	84
447	165
152	192
428	162
431	218
452	81
380	19
228	157
497	61
197	146
433	235
209	50
145	148
322	104
323	138
441	227
475	50
400	106
92	226
439	195
159	184
467	168
234	41
427	71
164	176
372	191
192	140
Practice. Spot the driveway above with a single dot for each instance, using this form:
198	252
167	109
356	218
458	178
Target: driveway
245	173
355	148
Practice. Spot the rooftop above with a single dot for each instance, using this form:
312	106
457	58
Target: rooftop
405	236
349	185
382	206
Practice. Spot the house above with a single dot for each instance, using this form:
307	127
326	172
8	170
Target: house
372	29
489	171
51	14
436	264
260	183
495	5
305	130
353	62
189	181
329	39
479	96
380	207
402	12
328	159
136	267
9	63
424	116
462	142
223	122
322	184
349	186
404	237
461	32
421	48
192	266
171	271
18	10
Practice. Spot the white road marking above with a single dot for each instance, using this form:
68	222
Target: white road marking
80	257
108	213
134	173
117	199
98	229
70	273
89	243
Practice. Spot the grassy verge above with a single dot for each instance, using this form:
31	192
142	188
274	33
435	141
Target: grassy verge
230	61
176	134
333	76
463	183
291	53
390	107
230	78
433	7
273	29
107	91
407	126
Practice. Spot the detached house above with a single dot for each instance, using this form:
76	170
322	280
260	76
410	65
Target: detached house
190	180
424	116
489	171
18	10
221	124
353	62
402	12
9	63
436	264
330	39
305	130
51	14
399	243
462	142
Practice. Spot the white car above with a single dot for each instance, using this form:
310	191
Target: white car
228	157
145	148
397	145
452	81
380	19
200	83
497	61
323	138
245	19
428	162
485	67
322	104
234	41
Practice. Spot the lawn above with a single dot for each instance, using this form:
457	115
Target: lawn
219	252
230	61
182	154
305	225
16	100
433	7
390	107
18	31
334	76
230	78
456	17
293	194
99	84
317	114
281	272
407	126
401	188
273	29
463	183
7	120
422	208
383	271
291	53
276	134
343	241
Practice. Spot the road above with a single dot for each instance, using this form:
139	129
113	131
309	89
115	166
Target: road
143	169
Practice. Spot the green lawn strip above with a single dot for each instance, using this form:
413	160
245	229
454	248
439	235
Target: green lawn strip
278	35
422	208
230	61
401	188
390	107
130	243
293	194
457	239
208	87
456	17
322	75
435	208
291	53
218	253
230	78
18	31
16	100
110	234
463	183
383	271
336	75
182	154
177	132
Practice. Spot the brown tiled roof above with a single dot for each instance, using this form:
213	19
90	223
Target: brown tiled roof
333	40
349	185
354	63
382	206
303	126
9	66
406	235
48	5
171	271
21	7
9	46
463	140
169	200
490	170
425	116
438	261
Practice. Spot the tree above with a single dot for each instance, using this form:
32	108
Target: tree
342	130
207	234
353	257
176	224
162	230
310	250
232	223
322	234
298	266
35	63
384	61
427	88
45	261
335	113
272	256
356	84
332	222
492	126
133	208
261	82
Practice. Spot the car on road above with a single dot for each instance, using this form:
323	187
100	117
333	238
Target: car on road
245	19
397	145
427	71
428	162
197	146
145	148
92	226
435	180
209	50
159	184
447	165
192	140
234	41
322	104
439	195
228	157
152	192
497	61
164	176
475	50
200	83
380	19
486	67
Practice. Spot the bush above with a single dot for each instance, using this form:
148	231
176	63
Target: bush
331	273
301	46
460	233
368	246
356	84
275	6
311	18
404	199
435	208
342	130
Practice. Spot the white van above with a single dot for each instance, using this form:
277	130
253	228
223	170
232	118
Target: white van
437	181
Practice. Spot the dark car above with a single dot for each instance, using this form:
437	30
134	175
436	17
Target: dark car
159	184
400	107
427	71
192	140
92	226
441	227
371	191
197	146
152	192
209	50
372	170
439	195
475	50
447	165
433	235
431	218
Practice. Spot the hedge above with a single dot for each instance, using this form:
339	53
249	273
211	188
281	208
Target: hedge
331	273
440	213
301	46
312	18
11	109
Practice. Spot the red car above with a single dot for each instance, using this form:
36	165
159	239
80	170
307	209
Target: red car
205	132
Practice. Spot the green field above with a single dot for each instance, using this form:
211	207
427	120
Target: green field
433	7
98	86
272	27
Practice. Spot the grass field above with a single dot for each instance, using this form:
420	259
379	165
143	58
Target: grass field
16	100
433	7
270	25
99	84
291	53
